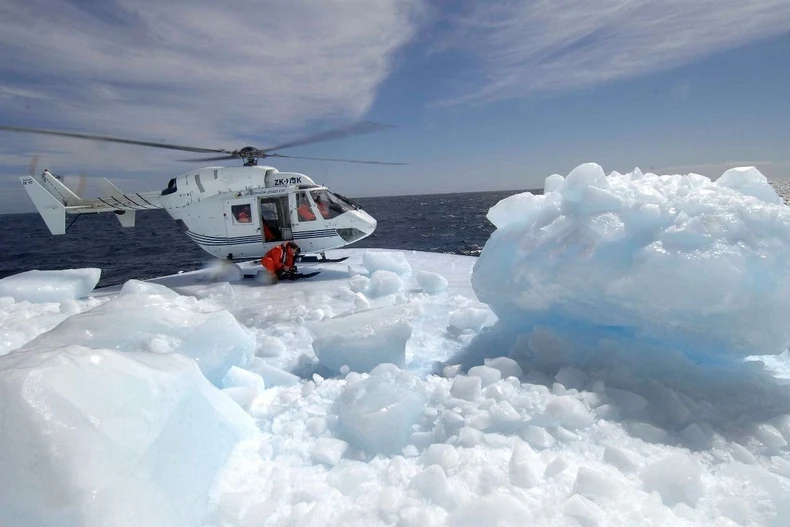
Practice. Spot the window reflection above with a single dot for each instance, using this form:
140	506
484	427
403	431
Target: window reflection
330	205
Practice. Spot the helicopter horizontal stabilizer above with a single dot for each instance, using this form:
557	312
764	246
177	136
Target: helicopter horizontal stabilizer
48	206
53	200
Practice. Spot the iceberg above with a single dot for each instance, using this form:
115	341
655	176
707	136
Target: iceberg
50	286
159	320
680	261
21	322
99	437
383	283
394	262
363	340
432	283
377	414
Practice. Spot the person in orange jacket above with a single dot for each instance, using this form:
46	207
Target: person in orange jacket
303	210
272	260
280	260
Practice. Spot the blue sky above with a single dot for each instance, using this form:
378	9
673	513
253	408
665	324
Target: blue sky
485	95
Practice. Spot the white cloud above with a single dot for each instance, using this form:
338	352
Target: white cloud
194	72
529	46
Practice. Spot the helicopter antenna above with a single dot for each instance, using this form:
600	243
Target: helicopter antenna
326	170
249	154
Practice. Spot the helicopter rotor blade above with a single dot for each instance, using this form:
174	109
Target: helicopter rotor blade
362	127
338	160
220	158
110	139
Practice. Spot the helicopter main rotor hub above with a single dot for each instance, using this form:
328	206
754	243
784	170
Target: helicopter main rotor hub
250	155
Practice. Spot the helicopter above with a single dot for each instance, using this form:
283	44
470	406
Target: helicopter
232	213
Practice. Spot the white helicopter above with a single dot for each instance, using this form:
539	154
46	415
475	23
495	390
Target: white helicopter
232	213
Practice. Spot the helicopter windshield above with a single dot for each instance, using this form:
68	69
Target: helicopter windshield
330	205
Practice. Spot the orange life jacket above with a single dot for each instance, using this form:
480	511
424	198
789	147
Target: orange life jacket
280	258
305	213
273	259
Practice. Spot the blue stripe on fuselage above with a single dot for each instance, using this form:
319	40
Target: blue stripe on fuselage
202	239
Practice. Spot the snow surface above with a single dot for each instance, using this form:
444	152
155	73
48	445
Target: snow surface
332	402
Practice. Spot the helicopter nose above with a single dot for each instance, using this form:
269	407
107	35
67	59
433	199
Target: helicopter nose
369	221
361	226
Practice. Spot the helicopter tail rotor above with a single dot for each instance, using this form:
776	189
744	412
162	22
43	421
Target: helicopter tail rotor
76	184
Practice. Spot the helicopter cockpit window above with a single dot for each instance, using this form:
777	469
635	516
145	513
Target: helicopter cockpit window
303	209
241	213
330	205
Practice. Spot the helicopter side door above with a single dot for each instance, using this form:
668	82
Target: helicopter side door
311	230
275	219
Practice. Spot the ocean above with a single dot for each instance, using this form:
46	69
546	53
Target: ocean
443	223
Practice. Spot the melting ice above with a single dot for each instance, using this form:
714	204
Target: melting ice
614	357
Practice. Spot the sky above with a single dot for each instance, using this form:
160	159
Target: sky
481	95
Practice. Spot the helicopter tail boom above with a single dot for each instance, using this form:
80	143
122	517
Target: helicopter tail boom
53	201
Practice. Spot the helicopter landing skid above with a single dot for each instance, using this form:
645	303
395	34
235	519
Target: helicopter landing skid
317	259
252	268
297	276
